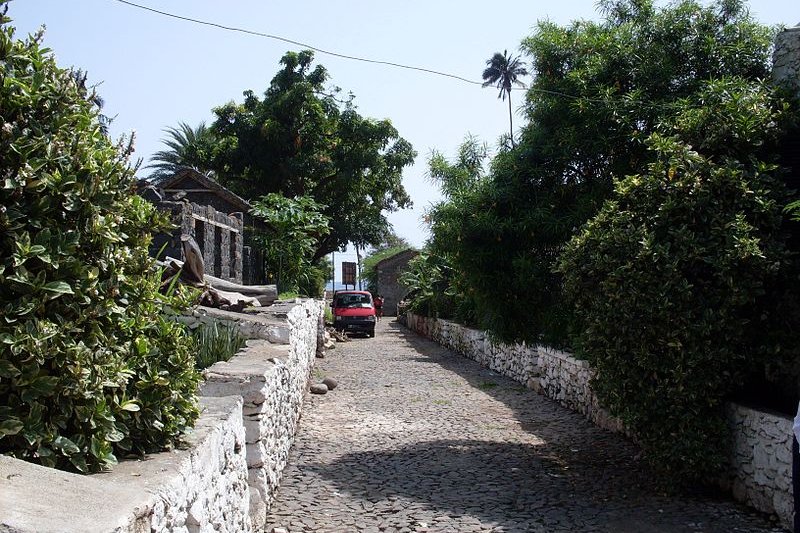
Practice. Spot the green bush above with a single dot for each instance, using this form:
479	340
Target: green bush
675	281
91	367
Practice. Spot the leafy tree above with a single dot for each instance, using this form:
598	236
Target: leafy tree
600	90
679	281
187	147
390	241
90	365
302	140
294	227
427	279
461	181
504	72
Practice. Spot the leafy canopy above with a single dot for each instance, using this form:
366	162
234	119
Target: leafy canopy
302	140
600	90
187	147
294	226
435	278
679	282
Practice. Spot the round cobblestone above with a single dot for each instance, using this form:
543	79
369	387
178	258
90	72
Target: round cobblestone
418	438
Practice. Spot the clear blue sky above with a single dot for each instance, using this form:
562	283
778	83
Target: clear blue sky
156	71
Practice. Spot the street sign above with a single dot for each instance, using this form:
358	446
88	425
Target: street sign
349	274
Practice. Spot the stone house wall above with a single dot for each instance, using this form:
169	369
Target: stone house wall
761	464
389	270
223	480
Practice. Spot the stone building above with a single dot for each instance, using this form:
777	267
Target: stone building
219	220
389	270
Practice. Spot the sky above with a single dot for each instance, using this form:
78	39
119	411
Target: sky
155	71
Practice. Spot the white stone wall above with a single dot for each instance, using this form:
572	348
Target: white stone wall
209	492
567	380
517	361
272	380
202	488
760	472
761	466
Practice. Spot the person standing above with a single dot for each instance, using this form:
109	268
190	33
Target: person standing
378	306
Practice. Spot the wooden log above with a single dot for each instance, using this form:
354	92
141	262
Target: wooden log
266	294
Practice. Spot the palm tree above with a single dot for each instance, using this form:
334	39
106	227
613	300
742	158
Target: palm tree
187	147
503	72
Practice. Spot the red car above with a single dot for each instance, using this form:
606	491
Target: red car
354	311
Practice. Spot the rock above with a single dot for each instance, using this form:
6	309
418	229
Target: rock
279	530
319	388
330	383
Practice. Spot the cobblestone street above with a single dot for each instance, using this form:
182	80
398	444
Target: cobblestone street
417	438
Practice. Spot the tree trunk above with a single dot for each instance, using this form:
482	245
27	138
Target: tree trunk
510	120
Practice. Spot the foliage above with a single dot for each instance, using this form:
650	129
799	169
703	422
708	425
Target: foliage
316	277
216	342
504	72
369	271
427	278
301	140
294	227
187	147
677	281
600	89
90	365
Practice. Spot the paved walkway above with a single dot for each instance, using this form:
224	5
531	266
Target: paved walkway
417	438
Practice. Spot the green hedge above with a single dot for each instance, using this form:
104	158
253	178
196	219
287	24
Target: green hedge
90	366
675	286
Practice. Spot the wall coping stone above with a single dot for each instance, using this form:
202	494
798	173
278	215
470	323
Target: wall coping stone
38	499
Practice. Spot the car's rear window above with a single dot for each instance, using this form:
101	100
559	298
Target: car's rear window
353	300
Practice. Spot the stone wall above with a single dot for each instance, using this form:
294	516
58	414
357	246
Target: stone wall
272	379
786	58
201	488
219	236
567	380
225	478
761	471
761	465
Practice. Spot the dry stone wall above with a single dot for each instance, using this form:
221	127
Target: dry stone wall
761	464
271	379
517	361
199	489
226	477
567	380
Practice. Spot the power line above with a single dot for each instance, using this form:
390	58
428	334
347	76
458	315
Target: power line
300	44
381	62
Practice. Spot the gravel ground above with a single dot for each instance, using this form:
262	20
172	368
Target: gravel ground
417	438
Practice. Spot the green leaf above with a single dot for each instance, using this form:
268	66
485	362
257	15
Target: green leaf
66	446
58	287
7	369
130	405
10	426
